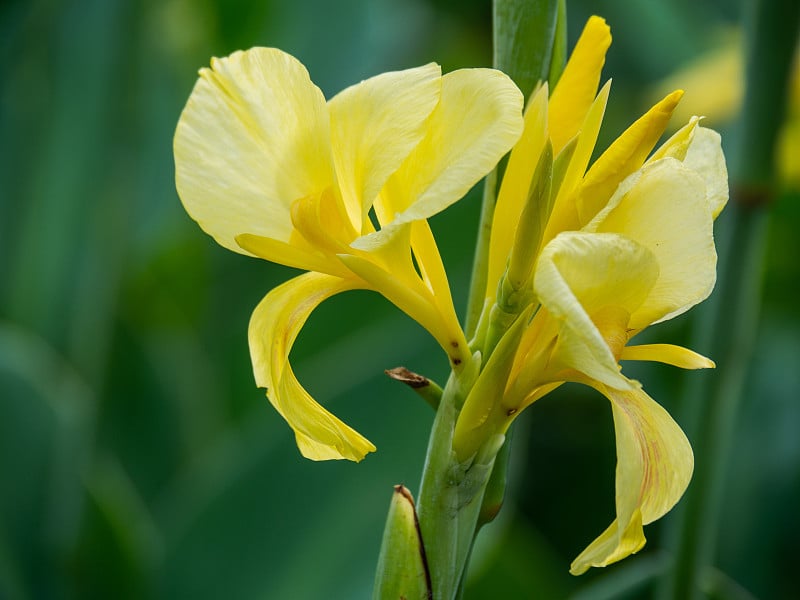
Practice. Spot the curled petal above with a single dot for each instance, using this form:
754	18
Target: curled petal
663	207
654	466
374	126
274	326
591	284
700	150
705	158
254	136
478	120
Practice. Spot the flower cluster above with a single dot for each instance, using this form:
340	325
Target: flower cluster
581	258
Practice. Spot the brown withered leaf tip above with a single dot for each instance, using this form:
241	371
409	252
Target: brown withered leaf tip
410	378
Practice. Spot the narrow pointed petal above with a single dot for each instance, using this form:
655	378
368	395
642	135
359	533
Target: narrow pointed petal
478	120
516	183
576	89
565	215
253	137
678	144
297	255
623	157
434	275
669	354
591	284
409	294
374	126
663	207
654	466
274	326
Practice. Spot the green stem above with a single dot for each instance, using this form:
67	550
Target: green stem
728	328
477	288
449	499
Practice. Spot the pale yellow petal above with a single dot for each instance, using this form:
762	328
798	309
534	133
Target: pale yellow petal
253	137
516	183
669	354
374	126
291	255
700	150
625	155
663	207
577	86
654	466
274	326
478	120
705	158
592	283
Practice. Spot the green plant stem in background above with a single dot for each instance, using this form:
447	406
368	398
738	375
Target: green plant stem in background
728	332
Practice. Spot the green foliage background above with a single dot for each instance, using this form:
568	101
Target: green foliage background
137	458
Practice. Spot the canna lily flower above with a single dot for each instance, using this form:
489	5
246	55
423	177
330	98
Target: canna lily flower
341	189
628	243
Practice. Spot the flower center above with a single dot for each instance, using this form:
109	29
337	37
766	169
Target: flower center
323	222
612	322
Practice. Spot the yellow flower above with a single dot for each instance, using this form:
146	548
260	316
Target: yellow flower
628	243
270	169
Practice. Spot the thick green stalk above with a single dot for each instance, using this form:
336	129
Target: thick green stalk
727	332
450	497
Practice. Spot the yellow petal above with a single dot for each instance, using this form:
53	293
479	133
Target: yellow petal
516	183
478	120
623	157
678	145
705	158
700	149
654	466
677	356
663	207
297	255
396	281
434	275
274	326
576	89
253	137
565	215
592	283
374	126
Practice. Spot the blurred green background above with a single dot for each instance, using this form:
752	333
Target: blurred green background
137	457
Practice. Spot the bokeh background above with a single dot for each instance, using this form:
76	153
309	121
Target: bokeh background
137	457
